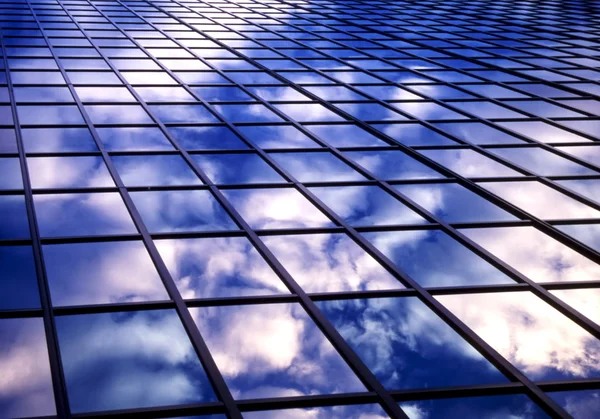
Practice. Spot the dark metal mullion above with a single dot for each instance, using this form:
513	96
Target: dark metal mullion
365	375
196	339
56	370
488	351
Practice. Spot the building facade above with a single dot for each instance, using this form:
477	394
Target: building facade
299	209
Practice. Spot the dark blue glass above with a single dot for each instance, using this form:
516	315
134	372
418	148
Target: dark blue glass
334	93
43	94
392	165
118	114
510	406
218	267
26	384
10	173
454	203
582	404
406	345
80	214
308	112
206	138
155	170
329	263
277	136
316	167
469	163
54	140
366	206
275	208
49	115
487	110
370	112
14	223
283	93
542	132
236	168
18	280
172	211
129	360
93	273
440	91
434	259
8	141
413	134
133	139
477	133
182	113
247	113
345	136
428	110
221	94
284	351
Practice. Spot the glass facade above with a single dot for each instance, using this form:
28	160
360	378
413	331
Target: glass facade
299	209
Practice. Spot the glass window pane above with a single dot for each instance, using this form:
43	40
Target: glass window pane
14	216
316	167
207	138
68	172
392	165
581	404
10	173
155	170
236	168
277	137
57	140
361	411
345	136
133	139
469	163
18	280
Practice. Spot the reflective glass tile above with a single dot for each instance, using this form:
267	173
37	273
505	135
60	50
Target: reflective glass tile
509	406
80	214
14	223
276	208
493	91
487	110
392	165
366	206
218	267
129	360
406	345
164	94
542	132
477	133
94	273
118	114
247	113
329	263
26	384
10	173
8	141
529	333
308	112
272	350
360	411
540	200
104	94
370	112
345	136
542	162
204	77
148	78
43	94
584	300
469	163
18	280
583	404
182	113
206	138
536	255
543	109
454	203
413	134
389	93
173	211
316	167
155	170
588	234
54	140
236	168
333	93
434	259
134	139
68	172
49	115
221	93
428	110
95	77
277	137
590	127
37	77
590	154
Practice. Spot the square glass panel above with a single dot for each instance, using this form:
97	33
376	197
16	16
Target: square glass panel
18	279
49	115
134	139
207	138
316	167
57	140
247	113
68	172
236	168
542	162
10	173
308	112
14	223
182	113
346	136
477	133
155	170
469	163
118	114
413	134
277	136
392	165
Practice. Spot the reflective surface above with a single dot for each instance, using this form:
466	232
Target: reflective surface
236	168
361	411
158	170
18	281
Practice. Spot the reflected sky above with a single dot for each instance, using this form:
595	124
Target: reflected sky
218	267
406	345
53	140
392	165
585	300
14	215
18	281
206	138
10	173
454	203
129	360
276	208
529	333
81	214
237	168
536	255
541	200
542	162
155	170
316	167
173	211
25	382
94	273
591	154
366	205
277	137
272	350
588	234
584	404
359	411
329	263
542	132
308	112
413	134
434	259
477	133
345	136
428	110
589	188
68	172
515	406
469	163
133	139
